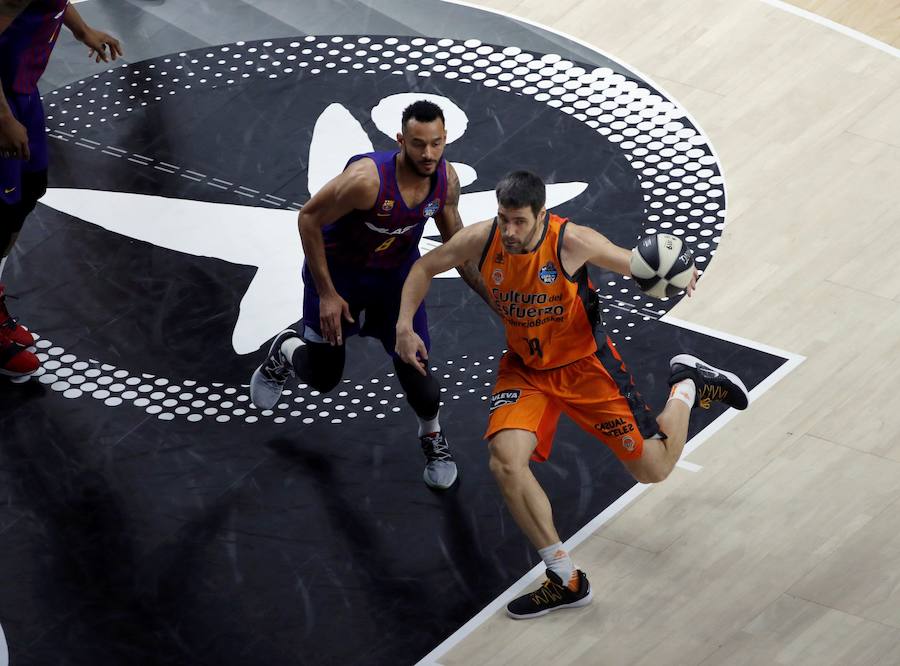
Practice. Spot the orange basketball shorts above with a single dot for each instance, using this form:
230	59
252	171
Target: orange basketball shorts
597	392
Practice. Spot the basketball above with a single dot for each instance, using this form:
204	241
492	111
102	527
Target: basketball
662	265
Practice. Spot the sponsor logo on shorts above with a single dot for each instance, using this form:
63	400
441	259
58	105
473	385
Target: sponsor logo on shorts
498	276
548	273
432	208
505	398
616	427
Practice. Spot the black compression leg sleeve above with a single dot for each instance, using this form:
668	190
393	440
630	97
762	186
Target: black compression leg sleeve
12	216
422	393
319	365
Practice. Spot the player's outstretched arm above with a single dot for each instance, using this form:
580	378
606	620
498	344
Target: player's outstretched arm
583	245
356	188
466	245
449	223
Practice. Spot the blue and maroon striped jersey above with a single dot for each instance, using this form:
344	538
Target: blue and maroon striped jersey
26	45
387	235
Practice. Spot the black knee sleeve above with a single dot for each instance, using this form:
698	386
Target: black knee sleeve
422	393
34	186
6	232
13	216
319	365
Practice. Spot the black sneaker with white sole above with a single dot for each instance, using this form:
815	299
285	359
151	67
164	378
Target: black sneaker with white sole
713	384
268	379
551	596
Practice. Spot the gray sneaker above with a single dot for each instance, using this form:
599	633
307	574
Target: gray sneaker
268	379
440	470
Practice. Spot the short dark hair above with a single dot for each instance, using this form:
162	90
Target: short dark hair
518	189
423	111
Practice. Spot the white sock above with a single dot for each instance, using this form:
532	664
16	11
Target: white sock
558	561
428	426
289	346
2	265
685	390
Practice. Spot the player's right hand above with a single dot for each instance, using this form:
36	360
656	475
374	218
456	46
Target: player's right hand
411	349
331	310
13	139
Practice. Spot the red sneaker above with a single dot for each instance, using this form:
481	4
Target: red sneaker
10	326
15	360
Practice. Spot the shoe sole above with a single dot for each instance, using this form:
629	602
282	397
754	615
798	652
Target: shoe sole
276	342
19	379
435	486
21	376
692	361
581	603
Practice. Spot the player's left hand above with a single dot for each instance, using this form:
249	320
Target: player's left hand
98	42
693	284
411	349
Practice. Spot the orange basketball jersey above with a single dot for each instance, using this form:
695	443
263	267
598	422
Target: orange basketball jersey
549	315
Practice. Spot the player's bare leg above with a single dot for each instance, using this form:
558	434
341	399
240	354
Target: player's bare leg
694	384
565	586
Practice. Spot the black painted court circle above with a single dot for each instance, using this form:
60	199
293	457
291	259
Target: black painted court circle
677	169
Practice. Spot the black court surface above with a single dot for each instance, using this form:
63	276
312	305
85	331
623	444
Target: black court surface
150	514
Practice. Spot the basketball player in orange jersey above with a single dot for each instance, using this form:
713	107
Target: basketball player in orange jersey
559	360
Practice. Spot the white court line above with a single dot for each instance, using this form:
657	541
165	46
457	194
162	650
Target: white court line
837	27
728	337
778	4
689	466
528	579
793	360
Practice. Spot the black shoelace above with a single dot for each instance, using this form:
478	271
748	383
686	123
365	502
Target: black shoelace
436	447
276	368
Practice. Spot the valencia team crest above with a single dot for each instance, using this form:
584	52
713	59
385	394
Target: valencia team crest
548	273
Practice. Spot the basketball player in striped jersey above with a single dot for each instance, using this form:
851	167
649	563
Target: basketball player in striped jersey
28	32
361	235
559	360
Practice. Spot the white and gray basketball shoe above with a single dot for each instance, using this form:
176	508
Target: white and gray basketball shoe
440	470
268	379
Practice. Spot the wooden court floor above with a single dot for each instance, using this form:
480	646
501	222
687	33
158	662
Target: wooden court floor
785	547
